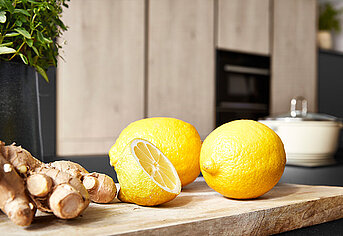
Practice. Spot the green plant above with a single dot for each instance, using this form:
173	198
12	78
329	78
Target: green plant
28	32
328	18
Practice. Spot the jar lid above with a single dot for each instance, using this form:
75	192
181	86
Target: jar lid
302	114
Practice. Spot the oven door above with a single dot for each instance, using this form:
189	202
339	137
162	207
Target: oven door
244	85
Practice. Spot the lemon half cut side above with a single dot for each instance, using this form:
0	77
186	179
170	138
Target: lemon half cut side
156	165
178	140
145	175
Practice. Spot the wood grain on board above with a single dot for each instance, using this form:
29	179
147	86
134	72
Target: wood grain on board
199	210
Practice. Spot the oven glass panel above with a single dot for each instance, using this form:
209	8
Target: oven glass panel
242	86
245	88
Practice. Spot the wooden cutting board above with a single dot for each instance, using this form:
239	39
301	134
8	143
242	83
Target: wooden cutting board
198	210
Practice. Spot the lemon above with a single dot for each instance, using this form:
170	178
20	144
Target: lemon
178	140
145	175
242	159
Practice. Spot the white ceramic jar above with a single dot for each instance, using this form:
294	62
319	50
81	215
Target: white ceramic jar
310	139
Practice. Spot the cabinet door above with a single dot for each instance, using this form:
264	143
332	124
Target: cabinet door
181	61
100	84
243	25
294	57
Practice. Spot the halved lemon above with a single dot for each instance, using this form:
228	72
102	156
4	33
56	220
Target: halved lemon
145	175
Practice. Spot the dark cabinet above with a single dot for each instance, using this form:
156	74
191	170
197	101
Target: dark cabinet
330	84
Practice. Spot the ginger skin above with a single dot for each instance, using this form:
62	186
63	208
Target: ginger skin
62	187
76	193
54	190
14	201
101	188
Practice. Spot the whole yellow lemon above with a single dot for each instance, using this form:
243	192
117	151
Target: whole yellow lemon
177	139
242	159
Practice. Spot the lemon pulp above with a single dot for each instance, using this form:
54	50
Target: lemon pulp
156	165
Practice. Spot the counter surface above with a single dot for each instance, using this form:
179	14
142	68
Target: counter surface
198	209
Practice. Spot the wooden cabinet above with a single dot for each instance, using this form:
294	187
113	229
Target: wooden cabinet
244	25
283	29
294	60
100	84
129	59
181	61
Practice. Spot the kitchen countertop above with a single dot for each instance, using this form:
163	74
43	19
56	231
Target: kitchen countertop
325	175
331	175
199	210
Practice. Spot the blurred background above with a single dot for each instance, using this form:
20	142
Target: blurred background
206	62
332	9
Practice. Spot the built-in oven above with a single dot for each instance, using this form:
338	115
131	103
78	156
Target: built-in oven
242	86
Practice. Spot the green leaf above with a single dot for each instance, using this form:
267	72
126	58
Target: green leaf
23	58
22	11
41	71
18	23
29	42
34	2
23	18
13	34
29	57
23	32
40	37
35	50
2	16
6	44
8	5
6	50
35	59
47	40
19	34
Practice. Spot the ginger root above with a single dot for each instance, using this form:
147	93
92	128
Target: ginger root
27	184
14	201
101	187
45	198
60	203
39	185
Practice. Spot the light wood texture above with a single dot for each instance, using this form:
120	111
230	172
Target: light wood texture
100	85
244	25
294	59
181	61
198	210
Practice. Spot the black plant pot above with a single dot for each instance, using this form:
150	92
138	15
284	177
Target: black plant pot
19	107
